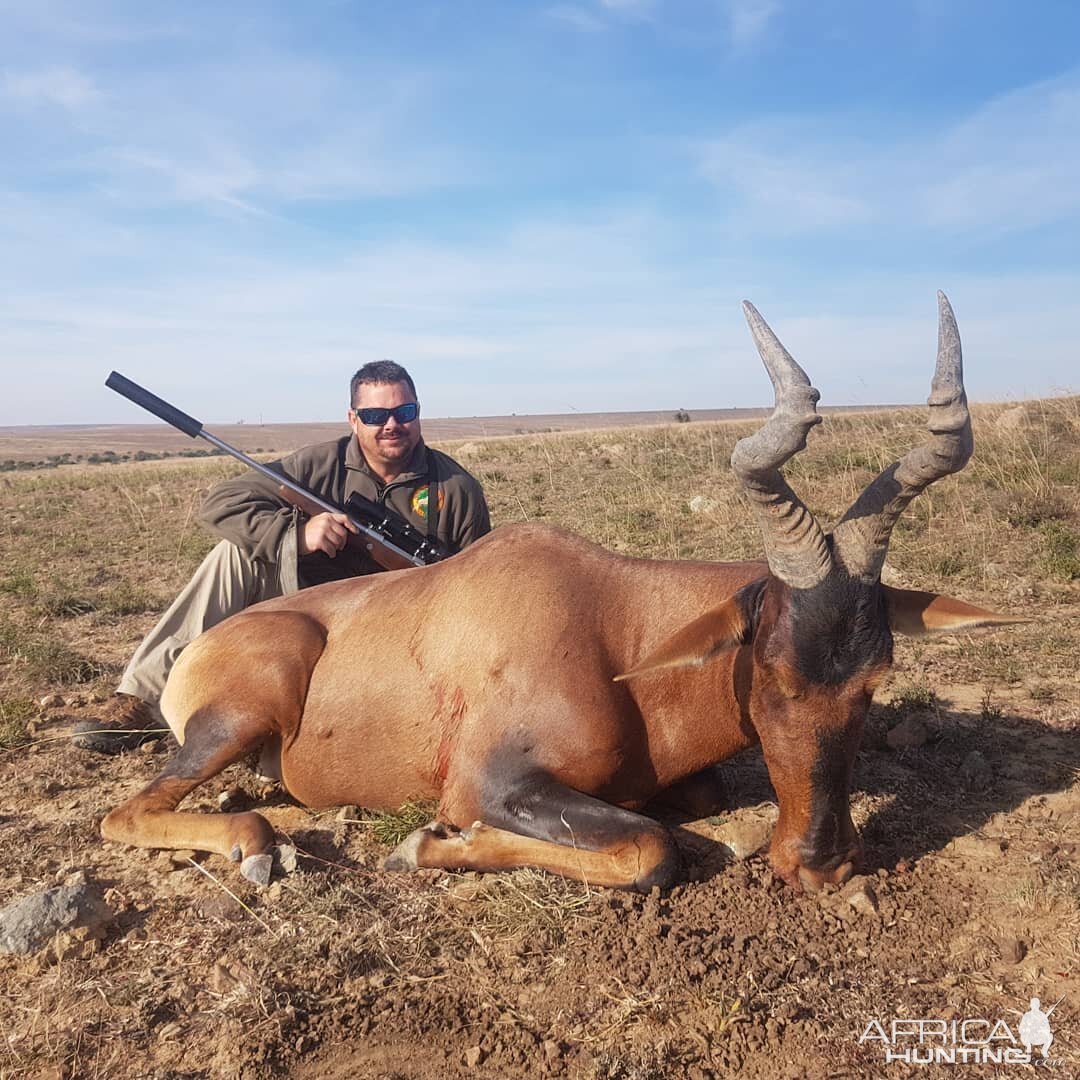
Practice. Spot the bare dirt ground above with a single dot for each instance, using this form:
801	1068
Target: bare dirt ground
972	831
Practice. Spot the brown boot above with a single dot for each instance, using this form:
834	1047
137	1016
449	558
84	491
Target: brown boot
127	723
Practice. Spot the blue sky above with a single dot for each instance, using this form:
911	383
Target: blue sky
536	207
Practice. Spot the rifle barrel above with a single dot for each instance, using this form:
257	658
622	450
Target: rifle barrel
190	426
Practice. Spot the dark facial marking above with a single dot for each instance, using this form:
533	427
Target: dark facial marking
830	837
838	629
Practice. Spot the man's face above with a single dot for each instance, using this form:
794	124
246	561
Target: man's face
388	446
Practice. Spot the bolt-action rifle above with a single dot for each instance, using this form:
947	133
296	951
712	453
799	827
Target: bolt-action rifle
387	538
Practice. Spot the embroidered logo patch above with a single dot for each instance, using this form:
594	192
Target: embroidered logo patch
420	501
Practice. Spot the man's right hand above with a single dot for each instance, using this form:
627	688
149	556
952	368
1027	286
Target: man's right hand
326	533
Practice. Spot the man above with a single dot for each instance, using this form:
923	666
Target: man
270	548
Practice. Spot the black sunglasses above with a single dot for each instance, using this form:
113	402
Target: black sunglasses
403	414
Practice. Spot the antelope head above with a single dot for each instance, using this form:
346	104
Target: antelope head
820	626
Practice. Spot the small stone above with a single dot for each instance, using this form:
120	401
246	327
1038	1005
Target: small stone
52	701
1013	950
745	835
27	925
224	978
701	504
285	858
909	734
975	769
473	1056
552	1050
257	868
860	895
76	944
979	848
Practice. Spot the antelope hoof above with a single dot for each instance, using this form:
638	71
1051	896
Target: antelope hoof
405	856
257	868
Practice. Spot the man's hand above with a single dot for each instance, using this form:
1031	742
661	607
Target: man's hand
326	533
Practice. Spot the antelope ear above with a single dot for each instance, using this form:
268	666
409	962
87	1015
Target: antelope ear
724	627
919	613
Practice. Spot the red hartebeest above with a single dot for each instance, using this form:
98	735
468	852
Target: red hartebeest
538	685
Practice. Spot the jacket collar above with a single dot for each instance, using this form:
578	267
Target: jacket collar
416	466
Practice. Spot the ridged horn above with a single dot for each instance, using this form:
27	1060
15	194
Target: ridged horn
861	539
794	543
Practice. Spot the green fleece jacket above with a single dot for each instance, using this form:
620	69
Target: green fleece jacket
250	513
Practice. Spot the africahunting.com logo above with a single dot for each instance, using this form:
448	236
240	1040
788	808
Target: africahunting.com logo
974	1041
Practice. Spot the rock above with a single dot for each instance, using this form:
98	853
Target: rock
979	848
285	858
975	769
257	868
76	944
552	1050
473	1056
27	925
702	504
744	836
226	978
1012	950
909	734
860	895
52	701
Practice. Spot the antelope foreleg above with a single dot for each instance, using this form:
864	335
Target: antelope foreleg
555	828
150	819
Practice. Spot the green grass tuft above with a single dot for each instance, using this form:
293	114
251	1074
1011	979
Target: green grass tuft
390	827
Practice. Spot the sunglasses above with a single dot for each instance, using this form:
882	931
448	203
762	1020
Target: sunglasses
403	414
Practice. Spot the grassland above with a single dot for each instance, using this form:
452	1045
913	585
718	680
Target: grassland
342	970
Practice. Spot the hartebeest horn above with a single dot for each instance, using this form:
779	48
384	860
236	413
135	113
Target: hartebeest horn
794	543
861	539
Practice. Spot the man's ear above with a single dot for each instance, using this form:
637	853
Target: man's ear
724	627
917	614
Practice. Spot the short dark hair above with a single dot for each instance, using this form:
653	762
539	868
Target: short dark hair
379	371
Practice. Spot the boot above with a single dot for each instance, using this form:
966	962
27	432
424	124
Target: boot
127	723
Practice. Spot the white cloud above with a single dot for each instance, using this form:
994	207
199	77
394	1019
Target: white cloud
749	19
1013	164
62	86
576	17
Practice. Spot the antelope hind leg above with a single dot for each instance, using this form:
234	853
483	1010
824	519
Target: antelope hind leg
151	819
556	828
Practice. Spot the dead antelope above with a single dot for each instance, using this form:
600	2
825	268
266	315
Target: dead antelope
545	690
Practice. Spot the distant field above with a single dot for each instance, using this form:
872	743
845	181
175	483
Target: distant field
42	442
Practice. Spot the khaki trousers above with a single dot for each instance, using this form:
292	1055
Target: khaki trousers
226	582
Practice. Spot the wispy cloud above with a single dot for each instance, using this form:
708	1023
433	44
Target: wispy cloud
62	86
1013	164
749	20
575	17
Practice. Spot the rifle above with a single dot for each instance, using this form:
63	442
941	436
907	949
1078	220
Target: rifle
387	538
